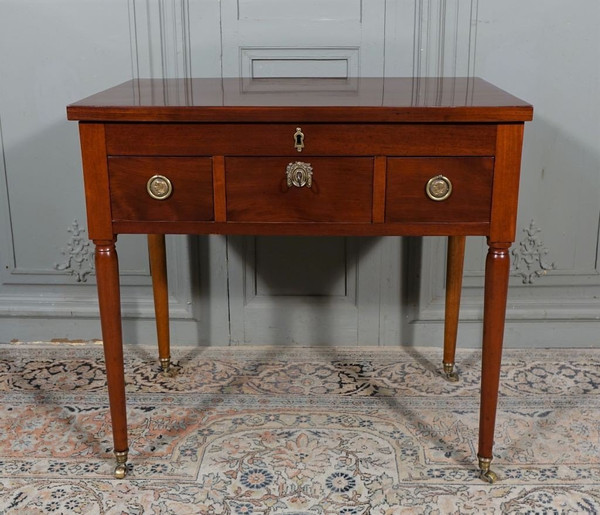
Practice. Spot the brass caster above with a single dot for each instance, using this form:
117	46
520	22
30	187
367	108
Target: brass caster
120	471
449	373
487	475
121	468
165	364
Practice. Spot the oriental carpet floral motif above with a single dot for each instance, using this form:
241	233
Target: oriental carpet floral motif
288	431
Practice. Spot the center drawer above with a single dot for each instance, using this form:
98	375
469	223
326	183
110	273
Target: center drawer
284	189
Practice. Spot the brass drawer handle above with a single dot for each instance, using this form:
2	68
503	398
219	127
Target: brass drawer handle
438	188
299	174
299	139
159	187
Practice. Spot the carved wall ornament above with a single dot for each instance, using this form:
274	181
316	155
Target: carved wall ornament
79	253
528	257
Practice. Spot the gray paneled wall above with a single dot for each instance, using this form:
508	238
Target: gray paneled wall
380	291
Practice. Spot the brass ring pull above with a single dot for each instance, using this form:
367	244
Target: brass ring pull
159	187
299	174
438	188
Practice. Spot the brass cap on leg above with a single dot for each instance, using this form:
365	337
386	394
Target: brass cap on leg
449	372
165	364
488	475
121	468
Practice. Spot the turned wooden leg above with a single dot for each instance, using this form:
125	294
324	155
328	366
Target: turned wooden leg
158	268
107	277
454	275
494	312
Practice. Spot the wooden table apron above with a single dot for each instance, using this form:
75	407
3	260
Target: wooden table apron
370	168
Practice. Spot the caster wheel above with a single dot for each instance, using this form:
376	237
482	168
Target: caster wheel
449	373
489	476
120	471
452	377
121	468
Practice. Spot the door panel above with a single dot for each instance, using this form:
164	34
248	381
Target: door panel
313	267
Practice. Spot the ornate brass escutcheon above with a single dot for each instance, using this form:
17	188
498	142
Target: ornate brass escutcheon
438	188
299	139
159	187
299	174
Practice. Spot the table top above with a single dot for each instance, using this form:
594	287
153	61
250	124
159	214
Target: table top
398	100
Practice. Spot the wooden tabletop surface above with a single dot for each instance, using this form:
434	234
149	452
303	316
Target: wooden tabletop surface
450	99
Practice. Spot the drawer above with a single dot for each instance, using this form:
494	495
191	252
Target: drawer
467	183
270	139
190	196
339	189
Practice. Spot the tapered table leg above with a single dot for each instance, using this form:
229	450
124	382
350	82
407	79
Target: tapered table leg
107	276
454	275
158	267
497	271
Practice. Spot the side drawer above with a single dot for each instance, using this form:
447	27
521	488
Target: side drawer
190	198
339	190
466	182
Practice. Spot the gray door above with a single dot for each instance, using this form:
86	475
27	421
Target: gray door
286	290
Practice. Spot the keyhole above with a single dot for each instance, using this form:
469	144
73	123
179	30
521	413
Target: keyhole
298	139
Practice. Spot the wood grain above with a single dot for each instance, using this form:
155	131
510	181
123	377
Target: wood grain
240	139
470	201
379	183
109	298
192	197
160	288
507	171
95	179
219	189
305	228
257	191
454	276
497	269
451	100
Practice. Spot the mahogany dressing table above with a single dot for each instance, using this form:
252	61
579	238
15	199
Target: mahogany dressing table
383	158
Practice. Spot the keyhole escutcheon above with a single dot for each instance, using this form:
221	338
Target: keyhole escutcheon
299	139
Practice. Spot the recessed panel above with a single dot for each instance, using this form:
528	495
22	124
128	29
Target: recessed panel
337	64
300	266
295	67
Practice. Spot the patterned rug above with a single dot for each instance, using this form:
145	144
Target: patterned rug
276	431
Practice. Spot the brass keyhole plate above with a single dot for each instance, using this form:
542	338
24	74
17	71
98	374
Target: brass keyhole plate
299	139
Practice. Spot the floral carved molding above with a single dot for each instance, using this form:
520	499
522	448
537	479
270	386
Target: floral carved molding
529	256
79	254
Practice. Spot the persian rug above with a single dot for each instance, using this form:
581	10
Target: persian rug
291	431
